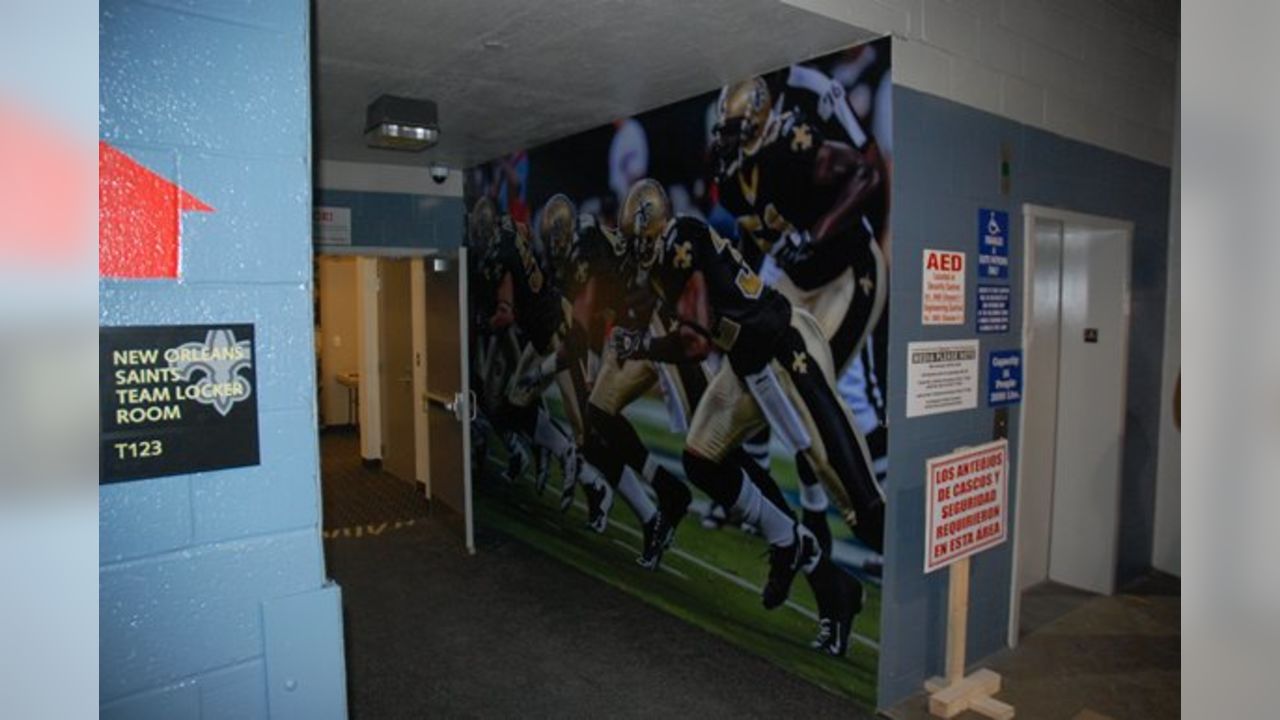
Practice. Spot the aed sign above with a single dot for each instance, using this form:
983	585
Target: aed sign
993	244
1004	377
331	225
967	507
175	399
942	290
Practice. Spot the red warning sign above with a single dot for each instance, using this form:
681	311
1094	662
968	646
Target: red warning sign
942	289
139	226
967	509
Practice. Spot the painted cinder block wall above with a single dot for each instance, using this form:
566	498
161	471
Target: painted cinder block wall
213	600
946	167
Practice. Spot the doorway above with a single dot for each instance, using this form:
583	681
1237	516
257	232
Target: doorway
396	315
1075	338
394	399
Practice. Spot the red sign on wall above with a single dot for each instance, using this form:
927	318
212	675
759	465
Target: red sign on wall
967	508
139	223
942	289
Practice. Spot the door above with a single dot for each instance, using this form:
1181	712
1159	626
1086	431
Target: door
395	340
1093	354
1040	400
1075	344
448	403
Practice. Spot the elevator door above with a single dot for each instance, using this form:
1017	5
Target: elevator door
1092	348
1076	344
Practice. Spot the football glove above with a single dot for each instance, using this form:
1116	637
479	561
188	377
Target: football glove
629	344
794	248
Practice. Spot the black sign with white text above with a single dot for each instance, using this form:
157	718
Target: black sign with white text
175	399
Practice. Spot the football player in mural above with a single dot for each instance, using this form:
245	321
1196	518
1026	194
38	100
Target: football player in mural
591	268
494	355
595	276
776	371
527	308
799	198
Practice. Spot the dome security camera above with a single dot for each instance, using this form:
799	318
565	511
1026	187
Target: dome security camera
439	173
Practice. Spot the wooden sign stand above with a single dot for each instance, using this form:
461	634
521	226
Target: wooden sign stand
956	693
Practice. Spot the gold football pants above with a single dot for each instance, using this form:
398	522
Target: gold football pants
804	374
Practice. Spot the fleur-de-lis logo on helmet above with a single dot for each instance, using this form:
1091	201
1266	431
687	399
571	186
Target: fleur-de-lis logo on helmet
742	112
645	213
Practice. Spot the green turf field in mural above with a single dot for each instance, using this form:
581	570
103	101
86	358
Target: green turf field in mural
710	577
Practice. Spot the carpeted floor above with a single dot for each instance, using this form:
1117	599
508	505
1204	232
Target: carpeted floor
356	496
1089	657
509	632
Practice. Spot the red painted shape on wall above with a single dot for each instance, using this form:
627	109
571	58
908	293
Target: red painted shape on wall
45	205
139	227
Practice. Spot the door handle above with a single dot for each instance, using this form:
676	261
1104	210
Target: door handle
460	407
406	379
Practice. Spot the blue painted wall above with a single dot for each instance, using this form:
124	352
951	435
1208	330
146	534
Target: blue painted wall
201	576
946	164
399	220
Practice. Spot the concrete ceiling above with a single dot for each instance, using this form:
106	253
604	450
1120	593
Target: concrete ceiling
511	74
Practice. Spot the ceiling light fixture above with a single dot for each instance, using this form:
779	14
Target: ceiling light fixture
397	123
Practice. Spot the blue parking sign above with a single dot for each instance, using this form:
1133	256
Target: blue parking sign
1004	377
993	244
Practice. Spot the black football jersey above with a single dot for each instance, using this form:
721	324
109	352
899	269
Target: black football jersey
535	302
747	317
595	255
773	193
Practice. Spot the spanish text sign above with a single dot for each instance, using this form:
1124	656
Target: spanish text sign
175	399
967	507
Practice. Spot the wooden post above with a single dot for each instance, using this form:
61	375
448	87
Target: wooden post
956	693
957	618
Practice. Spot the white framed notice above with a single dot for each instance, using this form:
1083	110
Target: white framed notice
942	376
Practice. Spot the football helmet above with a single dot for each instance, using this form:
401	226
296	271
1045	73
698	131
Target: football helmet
644	216
555	230
742	112
481	224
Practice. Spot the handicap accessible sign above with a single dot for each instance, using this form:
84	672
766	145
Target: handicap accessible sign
993	244
1004	377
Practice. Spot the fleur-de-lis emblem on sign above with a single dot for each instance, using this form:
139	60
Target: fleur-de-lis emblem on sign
216	366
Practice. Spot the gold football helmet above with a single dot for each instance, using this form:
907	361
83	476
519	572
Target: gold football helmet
645	213
742	112
555	229
482	224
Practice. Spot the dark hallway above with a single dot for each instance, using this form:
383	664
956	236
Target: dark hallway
511	632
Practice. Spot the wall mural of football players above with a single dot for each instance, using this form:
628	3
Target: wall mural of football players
681	319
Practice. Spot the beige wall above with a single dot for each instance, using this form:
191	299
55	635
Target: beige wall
339	335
